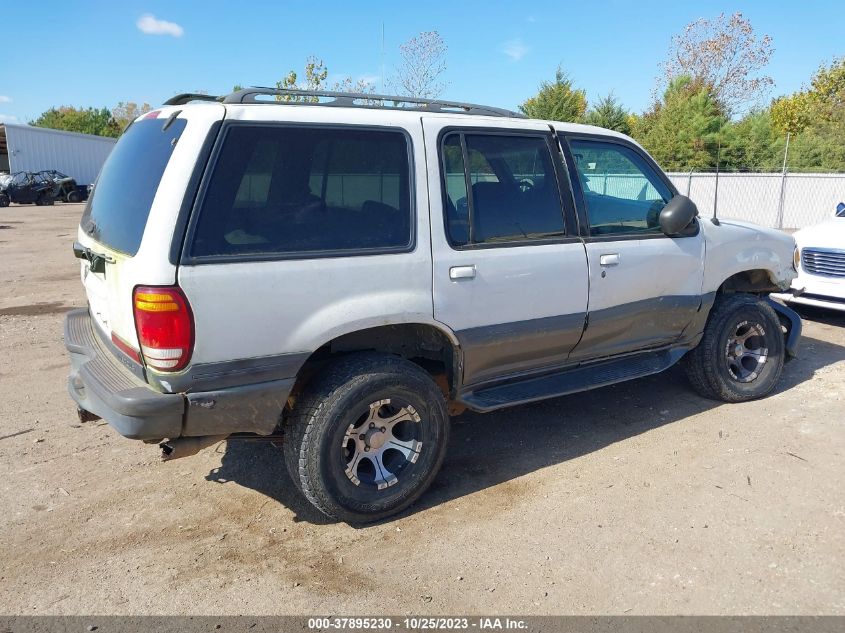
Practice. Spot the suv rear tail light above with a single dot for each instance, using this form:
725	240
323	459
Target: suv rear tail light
165	327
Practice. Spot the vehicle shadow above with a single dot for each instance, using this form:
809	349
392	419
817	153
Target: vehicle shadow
488	449
820	315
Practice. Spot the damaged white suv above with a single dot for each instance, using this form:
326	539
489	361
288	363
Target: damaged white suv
342	272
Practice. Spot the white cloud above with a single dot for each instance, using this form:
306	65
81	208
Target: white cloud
9	118
515	49
151	25
5	99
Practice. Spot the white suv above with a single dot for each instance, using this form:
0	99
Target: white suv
342	272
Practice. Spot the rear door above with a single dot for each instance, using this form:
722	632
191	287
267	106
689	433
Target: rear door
510	272
645	287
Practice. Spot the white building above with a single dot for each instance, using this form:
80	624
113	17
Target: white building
29	148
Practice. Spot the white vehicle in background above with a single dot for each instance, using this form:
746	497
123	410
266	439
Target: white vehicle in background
820	261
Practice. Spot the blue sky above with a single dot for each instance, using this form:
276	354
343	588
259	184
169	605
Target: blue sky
96	54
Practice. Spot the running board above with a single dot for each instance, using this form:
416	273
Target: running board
579	378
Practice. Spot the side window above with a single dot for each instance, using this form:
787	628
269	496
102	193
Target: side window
622	192
513	194
298	190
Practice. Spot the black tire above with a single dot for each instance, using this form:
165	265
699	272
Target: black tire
74	196
4	200
724	365
320	445
44	200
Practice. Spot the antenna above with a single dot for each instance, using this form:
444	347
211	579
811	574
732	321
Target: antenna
382	56
714	219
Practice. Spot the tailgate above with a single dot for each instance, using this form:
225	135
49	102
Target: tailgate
130	218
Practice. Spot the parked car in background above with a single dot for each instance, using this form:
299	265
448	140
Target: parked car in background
66	188
820	260
27	188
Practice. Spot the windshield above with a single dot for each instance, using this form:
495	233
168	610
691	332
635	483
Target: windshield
118	208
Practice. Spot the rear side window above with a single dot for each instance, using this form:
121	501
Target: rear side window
117	211
290	190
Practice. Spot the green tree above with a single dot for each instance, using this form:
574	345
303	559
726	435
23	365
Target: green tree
315	76
556	101
823	101
752	144
815	119
85	120
609	113
682	131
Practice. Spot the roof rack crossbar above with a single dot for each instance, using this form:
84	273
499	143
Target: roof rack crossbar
187	97
355	99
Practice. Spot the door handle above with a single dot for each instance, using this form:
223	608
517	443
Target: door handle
609	259
462	272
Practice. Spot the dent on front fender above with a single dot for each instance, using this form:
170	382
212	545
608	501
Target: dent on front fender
734	247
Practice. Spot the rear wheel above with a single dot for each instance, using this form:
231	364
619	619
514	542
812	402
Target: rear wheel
740	357
367	437
4	200
74	196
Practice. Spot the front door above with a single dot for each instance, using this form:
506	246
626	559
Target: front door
509	270
645	287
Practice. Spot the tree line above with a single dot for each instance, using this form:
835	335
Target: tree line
706	108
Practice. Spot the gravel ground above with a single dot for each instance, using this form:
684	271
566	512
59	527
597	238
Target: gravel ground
636	499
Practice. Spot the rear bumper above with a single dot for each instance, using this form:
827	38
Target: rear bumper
100	384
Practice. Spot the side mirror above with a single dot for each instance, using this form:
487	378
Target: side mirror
677	215
840	210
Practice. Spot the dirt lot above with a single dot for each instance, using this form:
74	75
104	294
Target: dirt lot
639	498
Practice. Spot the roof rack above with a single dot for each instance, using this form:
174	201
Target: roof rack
346	100
187	97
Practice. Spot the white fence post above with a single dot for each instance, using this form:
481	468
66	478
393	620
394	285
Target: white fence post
782	184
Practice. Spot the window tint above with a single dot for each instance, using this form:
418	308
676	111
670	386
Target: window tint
514	194
621	191
117	211
278	190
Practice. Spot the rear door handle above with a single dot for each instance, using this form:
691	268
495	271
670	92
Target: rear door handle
609	259
462	272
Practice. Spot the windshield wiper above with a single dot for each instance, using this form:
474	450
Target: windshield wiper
98	261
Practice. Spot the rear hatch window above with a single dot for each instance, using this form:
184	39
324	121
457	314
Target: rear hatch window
117	210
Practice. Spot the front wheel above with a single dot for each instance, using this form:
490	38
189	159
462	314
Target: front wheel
367	437
740	356
4	200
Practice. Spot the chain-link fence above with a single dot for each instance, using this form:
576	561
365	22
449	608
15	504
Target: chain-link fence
788	200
